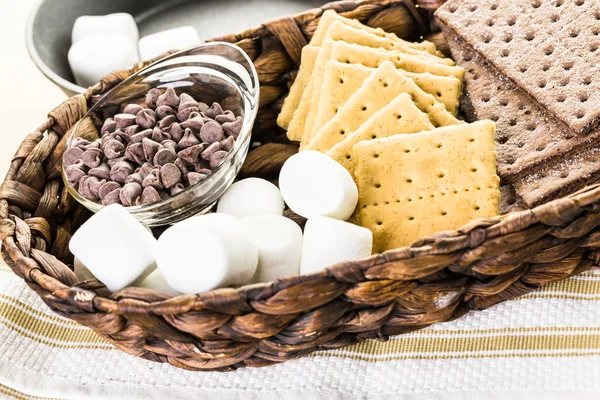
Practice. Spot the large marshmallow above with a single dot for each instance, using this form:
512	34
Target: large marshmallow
115	247
313	184
328	241
156	281
89	25
251	196
172	39
279	242
206	252
93	57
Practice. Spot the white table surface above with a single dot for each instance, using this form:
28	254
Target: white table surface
27	94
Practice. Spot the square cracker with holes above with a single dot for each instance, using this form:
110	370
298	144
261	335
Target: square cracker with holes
411	186
401	115
381	87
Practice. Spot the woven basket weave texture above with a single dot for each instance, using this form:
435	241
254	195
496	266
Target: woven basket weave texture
439	278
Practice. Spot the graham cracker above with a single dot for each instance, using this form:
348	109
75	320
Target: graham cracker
548	48
527	136
330	16
384	84
341	80
400	116
291	102
510	201
307	121
560	178
414	185
339	31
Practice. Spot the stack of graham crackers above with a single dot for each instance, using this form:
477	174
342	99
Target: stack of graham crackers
385	109
532	67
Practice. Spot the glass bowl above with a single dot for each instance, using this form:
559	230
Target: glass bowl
210	72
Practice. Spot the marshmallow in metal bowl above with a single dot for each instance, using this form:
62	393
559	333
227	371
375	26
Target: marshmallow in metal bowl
313	184
251	196
89	25
279	243
206	252
93	57
328	241
125	252
172	39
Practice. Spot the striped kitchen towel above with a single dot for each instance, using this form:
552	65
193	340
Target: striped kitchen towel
545	345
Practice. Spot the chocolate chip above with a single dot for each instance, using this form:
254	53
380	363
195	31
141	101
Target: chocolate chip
130	193
167	122
89	187
211	132
79	142
135	177
113	149
164	111
181	165
159	136
138	137
168	98
195	124
132	130
94	145
177	189
210	150
191	155
170	175
102	171
74	173
146	168
135	153
112	198
120	171
194	177
153	179
91	158
188	139
204	171
124	120
227	144
152	96
164	156
114	161
109	126
71	156
216	158
170	144
133	109
213	111
233	128
184	114
227	116
186	101
176	132
202	106
149	195
106	188
146	118
150	149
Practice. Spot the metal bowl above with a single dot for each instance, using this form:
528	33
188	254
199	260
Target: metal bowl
48	33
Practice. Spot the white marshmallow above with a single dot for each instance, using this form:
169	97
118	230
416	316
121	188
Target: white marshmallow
279	242
89	25
115	247
313	184
328	241
93	57
206	252
157	281
172	39
251	196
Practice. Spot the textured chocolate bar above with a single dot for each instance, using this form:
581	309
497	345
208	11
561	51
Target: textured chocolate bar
550	48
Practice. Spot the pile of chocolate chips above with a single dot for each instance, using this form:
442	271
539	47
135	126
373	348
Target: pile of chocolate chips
148	154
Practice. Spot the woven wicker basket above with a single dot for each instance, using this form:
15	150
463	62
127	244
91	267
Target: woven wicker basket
439	278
